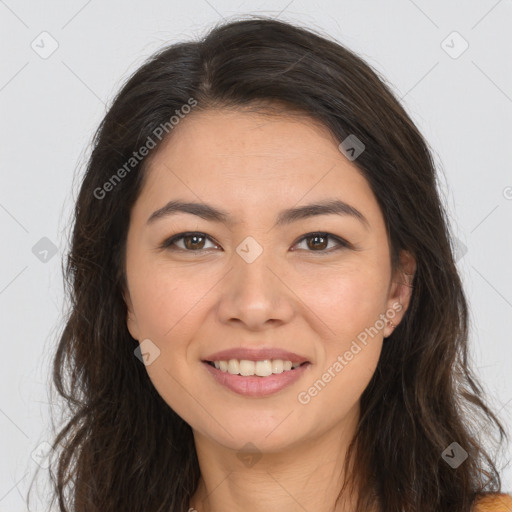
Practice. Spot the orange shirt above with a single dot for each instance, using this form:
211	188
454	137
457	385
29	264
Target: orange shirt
494	503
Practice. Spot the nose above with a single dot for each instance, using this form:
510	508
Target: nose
255	294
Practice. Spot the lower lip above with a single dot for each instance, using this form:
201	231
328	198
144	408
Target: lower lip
257	386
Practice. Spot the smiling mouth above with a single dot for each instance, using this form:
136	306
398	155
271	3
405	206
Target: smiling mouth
262	368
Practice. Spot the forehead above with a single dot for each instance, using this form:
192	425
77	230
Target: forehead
249	160
234	131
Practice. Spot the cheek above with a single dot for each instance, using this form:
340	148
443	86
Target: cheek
164	297
349	300
342	381
349	304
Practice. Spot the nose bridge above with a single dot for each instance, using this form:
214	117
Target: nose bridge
253	263
254	293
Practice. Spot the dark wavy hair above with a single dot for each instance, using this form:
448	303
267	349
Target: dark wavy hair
122	447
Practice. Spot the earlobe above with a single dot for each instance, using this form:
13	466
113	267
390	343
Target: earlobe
401	291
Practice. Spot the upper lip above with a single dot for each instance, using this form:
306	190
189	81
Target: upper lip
256	354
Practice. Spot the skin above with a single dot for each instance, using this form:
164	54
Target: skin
312	300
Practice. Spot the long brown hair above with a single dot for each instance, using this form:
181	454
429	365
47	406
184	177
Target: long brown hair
123	448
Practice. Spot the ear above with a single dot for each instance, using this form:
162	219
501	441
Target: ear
131	319
400	291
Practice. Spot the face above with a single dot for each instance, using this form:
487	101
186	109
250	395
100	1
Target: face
247	281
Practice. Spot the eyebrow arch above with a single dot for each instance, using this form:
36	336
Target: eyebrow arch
210	213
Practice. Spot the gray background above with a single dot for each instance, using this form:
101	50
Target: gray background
51	104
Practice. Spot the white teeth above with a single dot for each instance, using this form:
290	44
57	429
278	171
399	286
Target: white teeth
247	367
262	368
233	366
277	366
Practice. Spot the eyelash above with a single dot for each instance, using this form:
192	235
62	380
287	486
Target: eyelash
167	244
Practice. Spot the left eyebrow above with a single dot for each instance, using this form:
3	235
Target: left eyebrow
211	213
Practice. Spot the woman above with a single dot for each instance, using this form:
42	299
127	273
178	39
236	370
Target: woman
266	311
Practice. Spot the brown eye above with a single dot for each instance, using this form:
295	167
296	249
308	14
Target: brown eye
318	242
192	242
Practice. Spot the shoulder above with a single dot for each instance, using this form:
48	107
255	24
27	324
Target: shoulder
494	503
